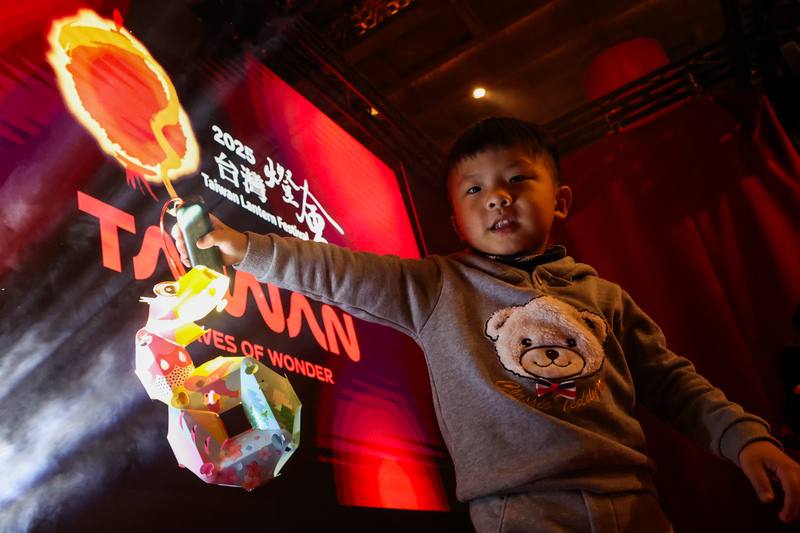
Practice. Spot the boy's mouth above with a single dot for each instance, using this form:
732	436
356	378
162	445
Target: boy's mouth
504	223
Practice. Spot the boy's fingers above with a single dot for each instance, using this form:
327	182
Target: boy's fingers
232	244
180	245
210	239
760	481
215	222
790	482
185	258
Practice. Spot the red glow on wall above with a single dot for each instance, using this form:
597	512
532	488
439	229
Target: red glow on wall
622	64
380	460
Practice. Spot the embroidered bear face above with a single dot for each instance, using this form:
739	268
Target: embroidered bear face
548	339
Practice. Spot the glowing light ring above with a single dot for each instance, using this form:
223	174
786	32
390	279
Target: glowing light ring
88	29
198	396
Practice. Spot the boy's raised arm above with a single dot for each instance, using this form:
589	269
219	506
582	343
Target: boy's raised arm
381	288
669	385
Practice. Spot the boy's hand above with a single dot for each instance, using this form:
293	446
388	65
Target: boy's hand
232	244
762	461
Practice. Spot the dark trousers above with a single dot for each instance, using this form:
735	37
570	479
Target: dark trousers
569	511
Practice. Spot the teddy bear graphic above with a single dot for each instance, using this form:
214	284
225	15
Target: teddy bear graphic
549	342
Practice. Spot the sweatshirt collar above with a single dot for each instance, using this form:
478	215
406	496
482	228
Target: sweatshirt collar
528	262
555	271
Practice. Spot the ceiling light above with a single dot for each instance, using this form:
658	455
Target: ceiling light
478	92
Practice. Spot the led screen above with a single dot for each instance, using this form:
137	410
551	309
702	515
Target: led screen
90	125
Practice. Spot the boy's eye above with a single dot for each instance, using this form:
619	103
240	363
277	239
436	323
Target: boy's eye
517	178
473	189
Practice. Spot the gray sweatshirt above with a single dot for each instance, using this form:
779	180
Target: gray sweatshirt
535	376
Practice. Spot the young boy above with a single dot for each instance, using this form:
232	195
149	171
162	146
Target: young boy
535	362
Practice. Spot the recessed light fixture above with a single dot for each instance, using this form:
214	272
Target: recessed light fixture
478	92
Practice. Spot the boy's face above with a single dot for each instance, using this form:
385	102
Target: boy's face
505	201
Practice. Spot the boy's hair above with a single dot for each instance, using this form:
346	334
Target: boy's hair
502	132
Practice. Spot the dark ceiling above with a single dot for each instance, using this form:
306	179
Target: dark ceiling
426	56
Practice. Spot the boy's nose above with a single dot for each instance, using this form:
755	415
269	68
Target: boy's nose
498	199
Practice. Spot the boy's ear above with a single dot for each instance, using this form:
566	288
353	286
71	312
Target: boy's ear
563	201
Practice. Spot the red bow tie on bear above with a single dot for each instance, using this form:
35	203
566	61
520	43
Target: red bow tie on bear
565	389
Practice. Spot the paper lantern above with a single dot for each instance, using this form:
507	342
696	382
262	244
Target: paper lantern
200	397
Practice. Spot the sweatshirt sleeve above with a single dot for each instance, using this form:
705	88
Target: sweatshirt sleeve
669	385
386	289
